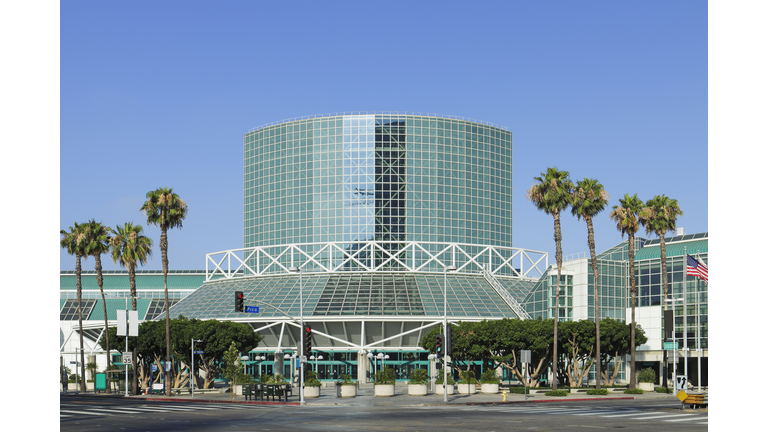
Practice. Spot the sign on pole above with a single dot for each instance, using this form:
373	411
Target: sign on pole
121	323
525	356
133	323
681	382
127	358
252	309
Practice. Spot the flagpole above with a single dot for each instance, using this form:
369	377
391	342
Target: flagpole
685	314
699	350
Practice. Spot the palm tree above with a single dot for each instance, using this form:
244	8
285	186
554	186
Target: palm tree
552	194
625	217
589	199
165	209
74	243
130	248
659	216
97	243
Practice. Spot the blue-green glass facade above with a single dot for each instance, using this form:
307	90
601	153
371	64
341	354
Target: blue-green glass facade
354	178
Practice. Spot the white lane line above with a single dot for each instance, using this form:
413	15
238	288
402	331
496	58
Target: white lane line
681	419
623	414
83	412
658	416
168	409
602	412
113	410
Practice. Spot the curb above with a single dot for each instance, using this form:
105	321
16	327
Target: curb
550	400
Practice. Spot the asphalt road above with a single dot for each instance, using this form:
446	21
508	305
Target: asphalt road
115	414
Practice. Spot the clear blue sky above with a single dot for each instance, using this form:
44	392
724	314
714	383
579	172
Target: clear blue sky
160	94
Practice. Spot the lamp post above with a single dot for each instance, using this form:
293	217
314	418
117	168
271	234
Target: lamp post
290	360
192	377
431	357
445	329
381	357
674	339
301	317
371	358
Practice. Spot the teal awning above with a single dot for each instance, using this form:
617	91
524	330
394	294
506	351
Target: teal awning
673	249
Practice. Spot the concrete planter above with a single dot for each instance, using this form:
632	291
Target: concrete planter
347	391
311	392
467	388
439	389
417	389
646	386
489	388
384	389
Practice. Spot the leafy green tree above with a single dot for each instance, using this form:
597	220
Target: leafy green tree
577	339
589	199
130	248
232	368
216	335
659	216
553	194
165	209
617	343
74	241
97	243
625	216
507	337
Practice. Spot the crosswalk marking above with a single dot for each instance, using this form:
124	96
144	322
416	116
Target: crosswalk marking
112	410
661	415
83	412
680	419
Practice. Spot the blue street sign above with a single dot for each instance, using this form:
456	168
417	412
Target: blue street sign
154	368
252	309
198	352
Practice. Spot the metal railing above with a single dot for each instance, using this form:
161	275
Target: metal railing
521	313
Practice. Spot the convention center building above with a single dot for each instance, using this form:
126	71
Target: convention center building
370	228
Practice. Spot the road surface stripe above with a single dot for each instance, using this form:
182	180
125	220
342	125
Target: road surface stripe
83	412
658	416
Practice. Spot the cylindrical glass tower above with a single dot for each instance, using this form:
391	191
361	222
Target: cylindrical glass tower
383	177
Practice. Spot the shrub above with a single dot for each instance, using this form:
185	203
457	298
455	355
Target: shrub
418	376
440	380
278	379
664	390
517	390
489	377
634	391
647	375
384	376
346	380
601	391
467	377
310	379
556	393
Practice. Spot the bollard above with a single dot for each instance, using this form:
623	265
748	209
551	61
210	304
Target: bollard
504	395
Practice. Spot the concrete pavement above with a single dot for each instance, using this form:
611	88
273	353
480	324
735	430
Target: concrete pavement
365	397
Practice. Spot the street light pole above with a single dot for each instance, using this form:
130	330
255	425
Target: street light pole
445	328
301	332
674	340
192	377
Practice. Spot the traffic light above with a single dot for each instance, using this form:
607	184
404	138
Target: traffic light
448	340
440	344
306	339
239	301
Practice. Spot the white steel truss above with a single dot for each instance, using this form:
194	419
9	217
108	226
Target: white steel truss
373	256
505	295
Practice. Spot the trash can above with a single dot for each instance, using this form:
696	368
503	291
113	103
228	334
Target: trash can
100	382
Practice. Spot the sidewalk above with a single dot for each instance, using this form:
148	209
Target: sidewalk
365	397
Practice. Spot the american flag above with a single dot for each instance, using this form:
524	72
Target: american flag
697	268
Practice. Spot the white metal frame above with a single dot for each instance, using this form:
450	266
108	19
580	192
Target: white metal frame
271	260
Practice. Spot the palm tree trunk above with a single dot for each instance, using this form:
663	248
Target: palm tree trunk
164	250
633	290
100	281
591	241
132	279
559	259
78	272
663	249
